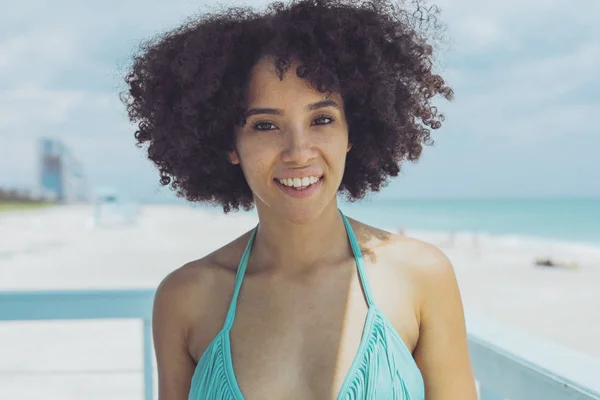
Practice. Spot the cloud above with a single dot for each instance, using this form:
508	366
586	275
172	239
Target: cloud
36	57
524	71
53	46
510	25
30	109
579	62
18	161
546	95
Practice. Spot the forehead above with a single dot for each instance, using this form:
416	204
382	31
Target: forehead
266	89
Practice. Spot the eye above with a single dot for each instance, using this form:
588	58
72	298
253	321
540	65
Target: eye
323	120
263	126
268	126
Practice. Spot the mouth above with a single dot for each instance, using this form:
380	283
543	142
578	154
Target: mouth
299	183
300	187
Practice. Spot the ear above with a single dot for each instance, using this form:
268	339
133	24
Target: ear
233	157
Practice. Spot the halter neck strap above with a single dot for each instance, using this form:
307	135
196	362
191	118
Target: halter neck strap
360	263
239	277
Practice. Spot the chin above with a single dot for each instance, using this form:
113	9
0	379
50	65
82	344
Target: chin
295	210
302	214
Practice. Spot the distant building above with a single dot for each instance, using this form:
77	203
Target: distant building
61	175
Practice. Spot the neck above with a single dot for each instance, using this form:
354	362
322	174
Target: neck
281	244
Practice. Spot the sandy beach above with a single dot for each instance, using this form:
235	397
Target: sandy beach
60	248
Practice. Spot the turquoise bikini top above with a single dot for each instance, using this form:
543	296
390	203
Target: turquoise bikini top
383	367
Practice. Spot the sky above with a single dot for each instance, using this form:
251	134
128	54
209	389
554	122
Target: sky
522	124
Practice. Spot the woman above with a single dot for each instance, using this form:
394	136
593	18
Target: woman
283	110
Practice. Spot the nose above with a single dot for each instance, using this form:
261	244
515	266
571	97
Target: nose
299	148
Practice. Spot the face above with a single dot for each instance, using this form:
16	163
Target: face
293	146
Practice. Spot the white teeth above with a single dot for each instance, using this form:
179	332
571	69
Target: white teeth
299	182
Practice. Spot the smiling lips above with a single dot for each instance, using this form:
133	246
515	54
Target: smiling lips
299	183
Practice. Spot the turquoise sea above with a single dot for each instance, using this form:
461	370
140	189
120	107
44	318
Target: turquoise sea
573	220
563	219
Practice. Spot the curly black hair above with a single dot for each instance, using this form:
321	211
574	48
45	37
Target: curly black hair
186	88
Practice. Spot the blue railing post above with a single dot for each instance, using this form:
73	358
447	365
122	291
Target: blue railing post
87	304
485	394
148	356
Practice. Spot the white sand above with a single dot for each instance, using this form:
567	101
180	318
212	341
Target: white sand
60	249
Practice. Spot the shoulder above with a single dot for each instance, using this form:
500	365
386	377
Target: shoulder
421	258
182	296
197	277
428	269
186	283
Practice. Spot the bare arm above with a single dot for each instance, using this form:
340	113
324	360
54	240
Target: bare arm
170	324
442	351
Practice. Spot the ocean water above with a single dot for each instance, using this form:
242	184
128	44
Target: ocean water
572	220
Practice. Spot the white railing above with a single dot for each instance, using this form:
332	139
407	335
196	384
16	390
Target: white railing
508	364
513	365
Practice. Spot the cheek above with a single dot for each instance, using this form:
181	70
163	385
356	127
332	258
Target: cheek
255	160
335	145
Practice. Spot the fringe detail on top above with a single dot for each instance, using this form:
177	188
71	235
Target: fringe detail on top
383	368
210	380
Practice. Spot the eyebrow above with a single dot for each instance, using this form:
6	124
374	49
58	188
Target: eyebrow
276	111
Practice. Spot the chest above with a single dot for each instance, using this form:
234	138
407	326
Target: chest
299	340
